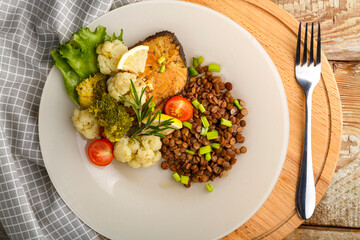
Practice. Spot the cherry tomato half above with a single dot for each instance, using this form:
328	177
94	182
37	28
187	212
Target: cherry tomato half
179	107
100	152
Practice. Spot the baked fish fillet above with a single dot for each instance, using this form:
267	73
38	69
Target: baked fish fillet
162	86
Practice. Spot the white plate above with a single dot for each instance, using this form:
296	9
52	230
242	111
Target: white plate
124	203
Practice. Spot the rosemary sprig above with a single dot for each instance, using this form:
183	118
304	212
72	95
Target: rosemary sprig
146	111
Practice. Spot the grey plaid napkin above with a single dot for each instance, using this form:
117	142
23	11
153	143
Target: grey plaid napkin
30	207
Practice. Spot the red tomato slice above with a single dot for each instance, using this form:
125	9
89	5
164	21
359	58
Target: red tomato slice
100	152
179	107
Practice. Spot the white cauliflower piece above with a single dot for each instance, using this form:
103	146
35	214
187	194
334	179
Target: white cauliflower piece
125	149
144	155
86	124
134	164
119	85
136	155
156	157
109	54
151	142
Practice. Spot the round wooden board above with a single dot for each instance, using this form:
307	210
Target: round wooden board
276	30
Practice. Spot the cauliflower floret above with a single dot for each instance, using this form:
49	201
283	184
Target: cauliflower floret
86	124
134	164
151	142
109	54
136	155
122	150
144	155
119	85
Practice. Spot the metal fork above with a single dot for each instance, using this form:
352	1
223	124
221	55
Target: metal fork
307	75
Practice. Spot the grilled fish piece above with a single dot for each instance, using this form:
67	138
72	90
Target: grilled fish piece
172	81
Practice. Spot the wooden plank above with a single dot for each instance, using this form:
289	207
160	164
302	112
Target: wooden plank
313	232
340	204
340	21
348	78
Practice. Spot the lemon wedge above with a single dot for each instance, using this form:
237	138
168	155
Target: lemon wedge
176	124
134	60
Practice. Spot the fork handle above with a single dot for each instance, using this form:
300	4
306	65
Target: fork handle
305	193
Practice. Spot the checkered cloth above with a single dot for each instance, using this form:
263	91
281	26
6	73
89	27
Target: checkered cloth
30	207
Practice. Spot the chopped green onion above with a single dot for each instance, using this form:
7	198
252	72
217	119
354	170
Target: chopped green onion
208	156
226	122
184	179
214	67
152	104
215	145
236	102
162	69
212	135
209	187
189	151
188	125
204	131
195	62
201	108
176	176
196	103
161	60
193	72
205	122
200	59
204	150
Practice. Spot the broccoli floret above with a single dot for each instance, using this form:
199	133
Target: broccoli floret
112	116
91	89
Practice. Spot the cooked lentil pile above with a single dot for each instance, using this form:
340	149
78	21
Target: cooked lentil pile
183	150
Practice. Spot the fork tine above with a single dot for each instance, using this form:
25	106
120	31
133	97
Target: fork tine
318	52
297	59
304	61
311	59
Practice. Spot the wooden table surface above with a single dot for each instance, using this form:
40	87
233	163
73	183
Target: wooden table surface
338	214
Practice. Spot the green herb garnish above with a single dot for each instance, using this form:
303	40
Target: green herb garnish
184	179
214	67
212	135
145	112
193	72
237	104
177	177
208	156
200	59
188	125
226	122
209	187
189	151
215	145
195	62
161	59
204	150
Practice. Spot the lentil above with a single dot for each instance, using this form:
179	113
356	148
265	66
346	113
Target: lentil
215	97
